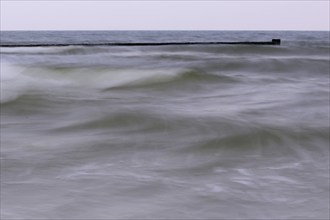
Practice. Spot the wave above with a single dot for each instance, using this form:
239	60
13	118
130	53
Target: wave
229	142
56	75
21	80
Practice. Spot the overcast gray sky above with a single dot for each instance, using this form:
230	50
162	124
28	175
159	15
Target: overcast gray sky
165	15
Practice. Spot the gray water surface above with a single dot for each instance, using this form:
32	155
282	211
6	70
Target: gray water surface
167	132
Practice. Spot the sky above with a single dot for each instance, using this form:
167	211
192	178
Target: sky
165	15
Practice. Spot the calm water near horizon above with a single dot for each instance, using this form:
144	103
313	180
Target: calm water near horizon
165	132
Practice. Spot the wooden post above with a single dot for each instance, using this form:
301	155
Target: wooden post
276	41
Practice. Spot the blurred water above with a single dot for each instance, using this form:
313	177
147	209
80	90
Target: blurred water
175	132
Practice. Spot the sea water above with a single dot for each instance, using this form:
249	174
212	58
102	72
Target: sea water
165	132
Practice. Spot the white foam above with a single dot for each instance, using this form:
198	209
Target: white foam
20	80
132	78
96	78
12	82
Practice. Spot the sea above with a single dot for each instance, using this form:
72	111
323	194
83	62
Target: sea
205	132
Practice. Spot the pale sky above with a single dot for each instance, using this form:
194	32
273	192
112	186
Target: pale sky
165	15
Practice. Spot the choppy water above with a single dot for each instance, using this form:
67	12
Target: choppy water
165	132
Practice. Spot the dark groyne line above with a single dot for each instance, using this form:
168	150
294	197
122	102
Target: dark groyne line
273	42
